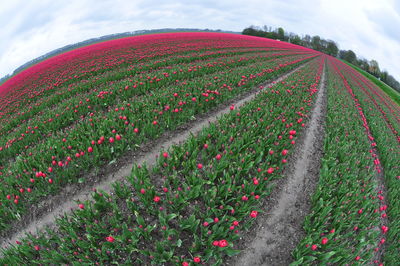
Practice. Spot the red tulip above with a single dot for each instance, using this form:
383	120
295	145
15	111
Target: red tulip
110	239
222	243
253	214
384	229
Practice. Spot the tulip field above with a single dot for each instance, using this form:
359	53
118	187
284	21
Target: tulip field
69	116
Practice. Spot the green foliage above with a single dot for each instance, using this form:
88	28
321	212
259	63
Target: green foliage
392	93
199	197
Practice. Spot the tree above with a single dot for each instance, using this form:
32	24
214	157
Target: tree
374	68
332	48
253	32
349	56
384	76
325	46
266	28
392	82
281	34
307	41
295	39
316	43
363	64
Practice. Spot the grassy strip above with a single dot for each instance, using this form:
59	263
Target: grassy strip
199	198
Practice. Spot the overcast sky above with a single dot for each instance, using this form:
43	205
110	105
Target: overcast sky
32	28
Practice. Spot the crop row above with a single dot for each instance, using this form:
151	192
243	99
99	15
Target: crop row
77	107
197	200
348	218
386	146
101	137
48	97
85	62
377	105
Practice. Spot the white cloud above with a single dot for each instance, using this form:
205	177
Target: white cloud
33	28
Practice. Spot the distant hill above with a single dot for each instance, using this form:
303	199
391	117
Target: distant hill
96	40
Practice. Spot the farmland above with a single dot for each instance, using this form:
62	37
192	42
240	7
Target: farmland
71	123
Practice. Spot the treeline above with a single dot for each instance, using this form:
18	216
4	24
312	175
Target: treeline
326	46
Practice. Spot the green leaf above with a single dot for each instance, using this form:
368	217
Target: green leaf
297	262
171	216
326	256
232	252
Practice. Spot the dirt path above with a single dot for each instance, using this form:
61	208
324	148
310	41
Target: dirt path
279	230
66	200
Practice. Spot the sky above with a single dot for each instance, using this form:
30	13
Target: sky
31	28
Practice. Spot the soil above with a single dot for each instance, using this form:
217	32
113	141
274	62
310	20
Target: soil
46	212
280	228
